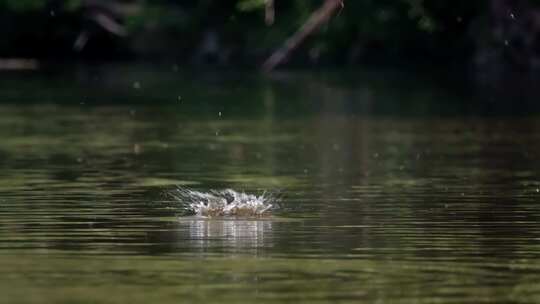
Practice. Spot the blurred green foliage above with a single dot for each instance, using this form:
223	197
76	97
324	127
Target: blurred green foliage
386	29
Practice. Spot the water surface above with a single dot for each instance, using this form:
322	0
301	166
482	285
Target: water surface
396	189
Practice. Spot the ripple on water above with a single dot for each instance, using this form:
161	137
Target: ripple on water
224	203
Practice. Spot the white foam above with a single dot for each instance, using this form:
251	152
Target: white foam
223	203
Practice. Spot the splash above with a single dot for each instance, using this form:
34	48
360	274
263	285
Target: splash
225	203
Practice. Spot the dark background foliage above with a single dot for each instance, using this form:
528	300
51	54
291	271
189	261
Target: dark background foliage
227	32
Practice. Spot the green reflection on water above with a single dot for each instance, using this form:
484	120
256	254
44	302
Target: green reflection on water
376	208
140	279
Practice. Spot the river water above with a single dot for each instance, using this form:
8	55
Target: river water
395	188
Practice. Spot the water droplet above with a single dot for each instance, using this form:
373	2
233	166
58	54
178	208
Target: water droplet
219	114
136	149
224	203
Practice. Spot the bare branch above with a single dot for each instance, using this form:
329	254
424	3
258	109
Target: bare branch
319	17
270	13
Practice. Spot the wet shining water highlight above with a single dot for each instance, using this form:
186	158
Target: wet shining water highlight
224	203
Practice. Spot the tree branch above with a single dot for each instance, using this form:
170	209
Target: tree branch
318	18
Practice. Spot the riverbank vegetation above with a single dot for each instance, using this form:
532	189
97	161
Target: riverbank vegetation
247	32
